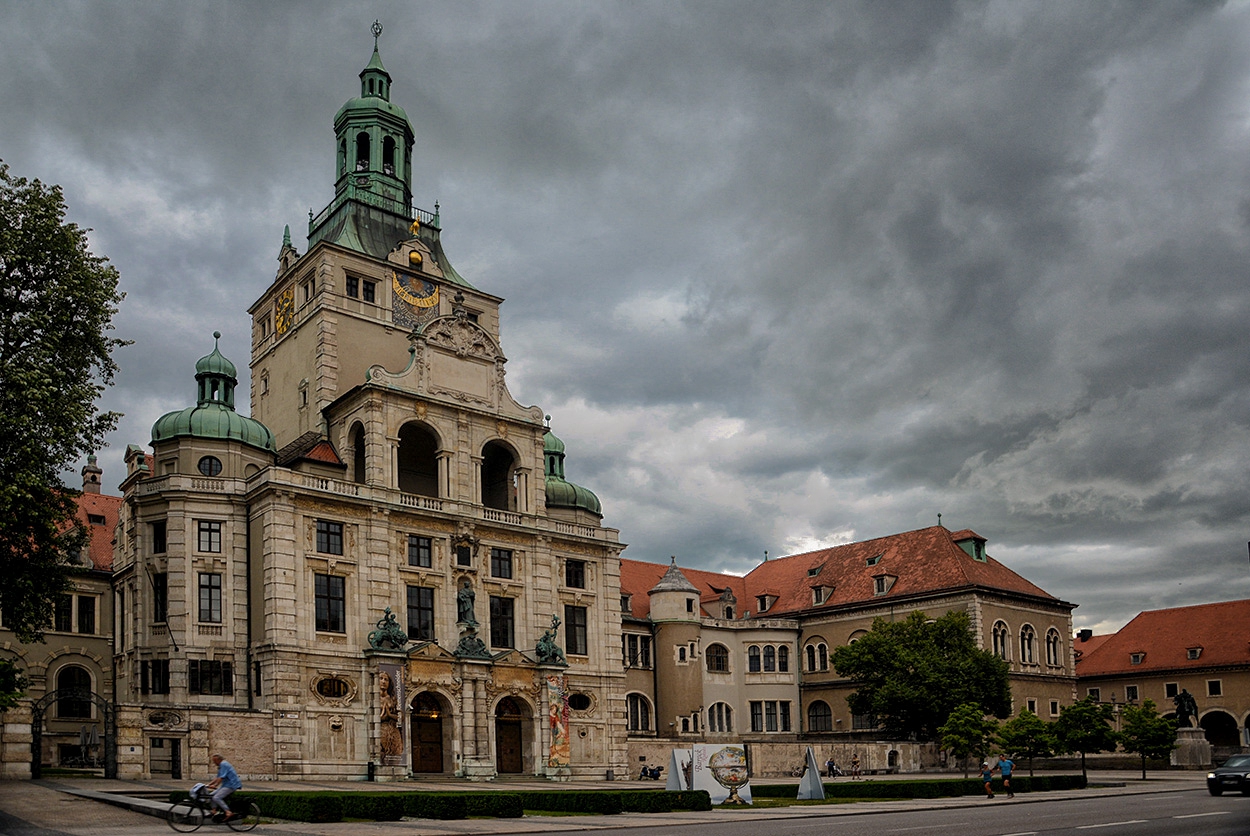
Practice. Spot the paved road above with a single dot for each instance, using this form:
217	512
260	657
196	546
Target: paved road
1170	804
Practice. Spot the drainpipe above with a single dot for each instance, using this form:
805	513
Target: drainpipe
251	700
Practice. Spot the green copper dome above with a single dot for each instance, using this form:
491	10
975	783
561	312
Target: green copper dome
560	492
213	415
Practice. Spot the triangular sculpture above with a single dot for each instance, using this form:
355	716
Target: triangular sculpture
810	787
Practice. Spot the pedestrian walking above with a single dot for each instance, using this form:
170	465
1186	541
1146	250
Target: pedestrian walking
855	766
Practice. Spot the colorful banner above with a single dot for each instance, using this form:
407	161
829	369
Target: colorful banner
390	729
722	771
558	714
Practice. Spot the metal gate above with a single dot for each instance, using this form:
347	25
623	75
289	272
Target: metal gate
41	705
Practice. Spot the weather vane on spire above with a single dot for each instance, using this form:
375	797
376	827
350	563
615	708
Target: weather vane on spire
376	29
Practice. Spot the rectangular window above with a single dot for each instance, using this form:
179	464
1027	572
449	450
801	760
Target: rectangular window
1094	694
464	555
159	541
500	563
575	574
160	597
63	622
784	709
370	289
770	715
86	614
625	608
637	650
757	716
144	676
501	622
329	537
689	605
1054	708
575	639
210	597
420	551
330	592
1170	690
1031	706
154	676
210	536
353	287
1215	687
421	613
1130	693
208	676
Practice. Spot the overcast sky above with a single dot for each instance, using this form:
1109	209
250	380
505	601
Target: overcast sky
784	274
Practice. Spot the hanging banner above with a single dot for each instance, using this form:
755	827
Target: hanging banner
390	730
558	711
722	771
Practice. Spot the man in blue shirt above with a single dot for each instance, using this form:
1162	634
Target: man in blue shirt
223	786
1005	765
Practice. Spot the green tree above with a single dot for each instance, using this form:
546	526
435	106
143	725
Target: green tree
967	732
57	302
1085	727
911	674
1143	731
1027	736
12	684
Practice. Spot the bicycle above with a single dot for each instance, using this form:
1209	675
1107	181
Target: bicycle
189	815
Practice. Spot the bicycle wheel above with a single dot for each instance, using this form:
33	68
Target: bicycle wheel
250	818
185	816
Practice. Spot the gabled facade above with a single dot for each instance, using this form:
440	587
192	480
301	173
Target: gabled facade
748	657
76	653
382	571
1201	649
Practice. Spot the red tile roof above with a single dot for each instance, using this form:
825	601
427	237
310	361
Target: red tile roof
922	561
1165	637
1088	646
100	546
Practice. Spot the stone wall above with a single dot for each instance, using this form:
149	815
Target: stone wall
246	740
15	741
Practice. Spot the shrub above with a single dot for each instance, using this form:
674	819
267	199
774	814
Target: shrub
499	805
435	805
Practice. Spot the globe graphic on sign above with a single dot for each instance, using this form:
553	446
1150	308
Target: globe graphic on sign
729	767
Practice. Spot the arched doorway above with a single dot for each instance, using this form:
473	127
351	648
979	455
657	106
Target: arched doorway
418	460
509	737
498	477
1221	729
429	735
76	699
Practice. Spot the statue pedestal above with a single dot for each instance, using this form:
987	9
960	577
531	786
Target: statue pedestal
1192	750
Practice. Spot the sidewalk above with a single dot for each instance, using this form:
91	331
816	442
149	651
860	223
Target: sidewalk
73	806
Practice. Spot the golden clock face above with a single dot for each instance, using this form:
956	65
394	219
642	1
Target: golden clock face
284	311
414	290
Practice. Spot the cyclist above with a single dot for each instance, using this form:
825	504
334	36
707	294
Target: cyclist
226	782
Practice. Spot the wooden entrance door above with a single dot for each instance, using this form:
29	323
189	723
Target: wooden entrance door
427	734
508	738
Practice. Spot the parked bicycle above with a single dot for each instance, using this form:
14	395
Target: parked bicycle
190	815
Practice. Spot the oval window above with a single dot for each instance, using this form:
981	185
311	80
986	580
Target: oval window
579	702
332	688
210	466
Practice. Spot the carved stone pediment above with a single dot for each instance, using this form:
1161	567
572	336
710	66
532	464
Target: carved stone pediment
462	338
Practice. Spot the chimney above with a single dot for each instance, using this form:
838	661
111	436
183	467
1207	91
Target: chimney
91	474
1085	635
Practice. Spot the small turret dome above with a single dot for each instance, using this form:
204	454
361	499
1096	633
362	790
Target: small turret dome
213	416
562	493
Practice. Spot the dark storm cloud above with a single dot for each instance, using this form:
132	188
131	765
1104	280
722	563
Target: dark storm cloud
783	274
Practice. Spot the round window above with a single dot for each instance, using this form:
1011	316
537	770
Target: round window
579	702
210	466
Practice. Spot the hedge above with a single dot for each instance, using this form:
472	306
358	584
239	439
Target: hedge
935	788
331	806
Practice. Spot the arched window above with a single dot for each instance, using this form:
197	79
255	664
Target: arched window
720	718
1027	637
358	454
1000	639
822	657
783	659
753	659
639	713
1053	655
811	657
819	717
717	658
362	151
73	678
388	155
498	477
770	658
418	460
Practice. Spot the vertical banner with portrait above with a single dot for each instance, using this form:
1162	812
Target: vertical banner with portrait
390	730
722	771
558	715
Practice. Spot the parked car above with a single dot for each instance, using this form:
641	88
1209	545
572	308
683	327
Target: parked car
1233	775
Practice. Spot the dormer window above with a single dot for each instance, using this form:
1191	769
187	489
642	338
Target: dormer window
820	594
95	519
881	584
763	602
729	612
625	607
1193	653
874	560
1136	658
811	573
